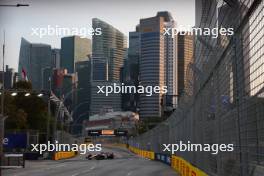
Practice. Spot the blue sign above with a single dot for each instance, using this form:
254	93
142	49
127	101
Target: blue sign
18	140
168	161
163	158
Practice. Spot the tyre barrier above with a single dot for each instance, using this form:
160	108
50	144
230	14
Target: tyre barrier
63	155
180	165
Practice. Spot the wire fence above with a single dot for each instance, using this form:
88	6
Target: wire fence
226	101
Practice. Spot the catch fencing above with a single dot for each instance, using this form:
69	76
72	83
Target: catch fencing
224	94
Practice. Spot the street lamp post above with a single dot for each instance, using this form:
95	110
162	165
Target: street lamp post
42	86
2	116
49	113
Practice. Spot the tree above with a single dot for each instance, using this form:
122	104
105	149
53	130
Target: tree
25	112
36	111
148	123
17	118
24	85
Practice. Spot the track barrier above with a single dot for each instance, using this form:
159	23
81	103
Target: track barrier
63	155
180	165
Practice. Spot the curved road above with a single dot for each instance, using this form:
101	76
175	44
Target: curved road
125	164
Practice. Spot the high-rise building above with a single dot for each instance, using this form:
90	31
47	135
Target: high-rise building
10	77
46	78
111	46
151	64
69	89
116	62
74	49
99	68
100	101
83	69
130	72
170	63
55	54
185	58
157	64
65	85
34	59
58	78
133	55
134	45
109	51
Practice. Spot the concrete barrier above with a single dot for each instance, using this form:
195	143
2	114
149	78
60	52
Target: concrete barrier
142	153
63	155
181	166
185	168
117	145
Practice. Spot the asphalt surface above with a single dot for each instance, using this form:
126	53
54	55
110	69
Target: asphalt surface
125	164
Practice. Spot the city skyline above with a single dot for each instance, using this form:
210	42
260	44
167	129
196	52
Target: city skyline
189	102
16	27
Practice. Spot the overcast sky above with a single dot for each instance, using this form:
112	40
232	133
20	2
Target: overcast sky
122	14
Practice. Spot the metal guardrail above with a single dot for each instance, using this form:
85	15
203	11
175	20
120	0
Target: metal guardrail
13	160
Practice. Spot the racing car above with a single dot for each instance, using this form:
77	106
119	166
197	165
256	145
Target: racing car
100	156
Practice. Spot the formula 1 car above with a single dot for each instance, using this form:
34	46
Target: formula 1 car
100	156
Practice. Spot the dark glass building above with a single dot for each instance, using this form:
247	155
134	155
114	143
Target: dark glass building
34	59
74	49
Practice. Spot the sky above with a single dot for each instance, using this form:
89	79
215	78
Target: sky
122	14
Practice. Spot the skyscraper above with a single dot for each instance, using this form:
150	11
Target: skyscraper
170	63
57	80
108	56
151	64
116	61
100	102
69	89
34	59
55	54
99	68
83	69
185	57
9	77
130	72
74	49
110	46
133	55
